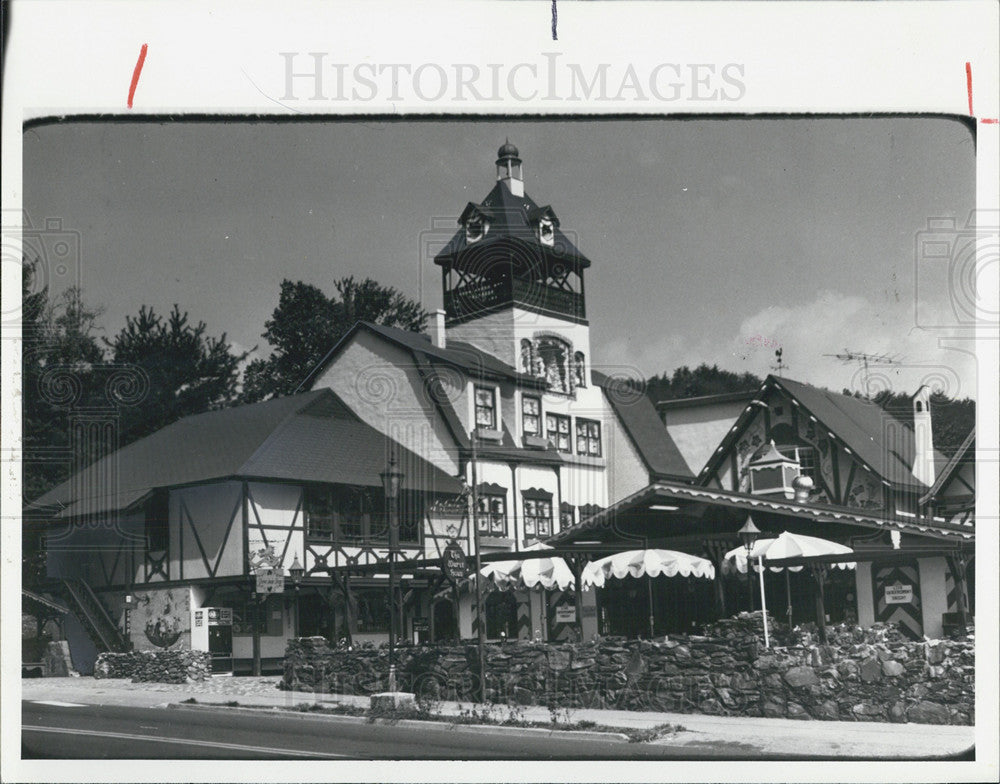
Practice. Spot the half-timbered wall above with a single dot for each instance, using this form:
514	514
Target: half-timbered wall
276	519
840	477
99	551
206	531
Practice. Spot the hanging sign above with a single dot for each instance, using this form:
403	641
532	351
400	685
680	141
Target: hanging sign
897	593
453	562
270	581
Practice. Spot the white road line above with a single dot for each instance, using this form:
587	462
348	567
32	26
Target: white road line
183	742
59	704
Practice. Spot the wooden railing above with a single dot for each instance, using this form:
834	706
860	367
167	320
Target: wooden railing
482	296
94	617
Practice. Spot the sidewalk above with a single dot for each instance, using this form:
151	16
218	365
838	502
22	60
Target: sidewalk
701	733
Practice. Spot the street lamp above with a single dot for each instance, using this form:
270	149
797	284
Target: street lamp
392	478
296	571
749	534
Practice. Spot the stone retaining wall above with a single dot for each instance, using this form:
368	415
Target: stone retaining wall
176	666
862	674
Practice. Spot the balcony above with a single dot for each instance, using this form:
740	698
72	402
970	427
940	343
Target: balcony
476	299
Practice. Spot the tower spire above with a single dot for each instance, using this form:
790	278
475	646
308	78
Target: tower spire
509	169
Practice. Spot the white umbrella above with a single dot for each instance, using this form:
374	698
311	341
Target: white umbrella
551	572
787	545
651	563
636	563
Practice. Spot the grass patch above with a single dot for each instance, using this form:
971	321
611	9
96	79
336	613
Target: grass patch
189	701
653	733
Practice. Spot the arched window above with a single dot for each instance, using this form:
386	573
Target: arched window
920	406
554	355
527	354
580	369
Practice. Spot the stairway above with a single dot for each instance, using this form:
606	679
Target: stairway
94	618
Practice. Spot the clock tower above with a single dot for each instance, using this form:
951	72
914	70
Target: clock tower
513	282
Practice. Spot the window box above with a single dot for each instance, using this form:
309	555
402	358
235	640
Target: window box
535	442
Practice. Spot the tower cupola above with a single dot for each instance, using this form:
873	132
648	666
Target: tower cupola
509	169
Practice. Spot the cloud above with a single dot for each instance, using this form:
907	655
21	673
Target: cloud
809	333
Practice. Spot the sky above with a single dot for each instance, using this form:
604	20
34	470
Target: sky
711	240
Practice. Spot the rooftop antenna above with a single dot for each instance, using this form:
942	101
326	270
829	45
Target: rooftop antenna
779	365
865	361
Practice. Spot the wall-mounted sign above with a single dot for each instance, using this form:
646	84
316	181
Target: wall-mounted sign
897	593
565	614
270	581
453	562
421	624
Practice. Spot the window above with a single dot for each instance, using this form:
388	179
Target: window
157	523
486	411
527	357
806	457
492	514
588	437
566	518
579	369
269	615
537	516
557	427
554	356
347	513
531	416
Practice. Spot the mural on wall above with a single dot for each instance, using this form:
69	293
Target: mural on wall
746	447
163	616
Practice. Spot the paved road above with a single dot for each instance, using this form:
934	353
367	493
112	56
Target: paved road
70	731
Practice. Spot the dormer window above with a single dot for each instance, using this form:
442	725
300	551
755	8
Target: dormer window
476	228
546	232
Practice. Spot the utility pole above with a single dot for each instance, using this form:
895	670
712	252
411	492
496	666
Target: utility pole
480	619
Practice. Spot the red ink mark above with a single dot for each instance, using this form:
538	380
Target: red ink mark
968	83
135	74
990	120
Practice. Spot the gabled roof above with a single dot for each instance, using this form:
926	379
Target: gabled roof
965	453
881	441
458	354
311	437
511	216
645	428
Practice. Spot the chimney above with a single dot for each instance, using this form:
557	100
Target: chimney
923	437
436	329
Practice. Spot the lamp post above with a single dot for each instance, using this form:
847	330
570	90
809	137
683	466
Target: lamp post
296	570
749	534
392	478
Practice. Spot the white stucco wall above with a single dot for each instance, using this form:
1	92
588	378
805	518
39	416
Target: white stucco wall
698	430
381	384
933	594
863	591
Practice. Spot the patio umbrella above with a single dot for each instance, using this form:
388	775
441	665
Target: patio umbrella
789	545
552	572
649	563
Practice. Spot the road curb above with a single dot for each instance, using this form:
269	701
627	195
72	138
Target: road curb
440	726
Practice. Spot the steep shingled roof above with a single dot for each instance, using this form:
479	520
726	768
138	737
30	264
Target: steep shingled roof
880	440
510	217
645	428
311	437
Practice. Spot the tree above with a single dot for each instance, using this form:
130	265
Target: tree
951	419
175	370
60	352
58	357
307	324
703	380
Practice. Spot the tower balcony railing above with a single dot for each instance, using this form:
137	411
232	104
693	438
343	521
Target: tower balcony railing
484	296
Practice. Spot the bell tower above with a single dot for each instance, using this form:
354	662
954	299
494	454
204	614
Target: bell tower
513	279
